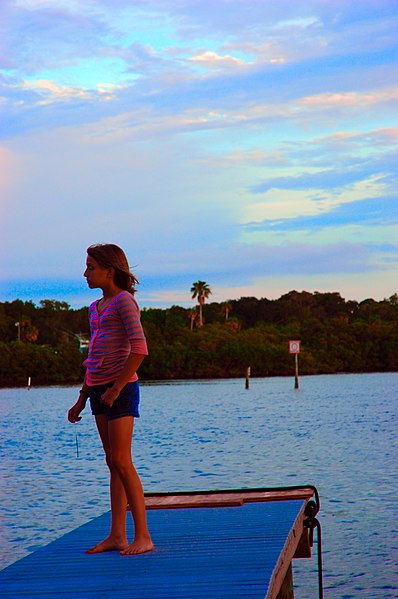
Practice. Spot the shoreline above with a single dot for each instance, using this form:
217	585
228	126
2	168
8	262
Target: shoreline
148	382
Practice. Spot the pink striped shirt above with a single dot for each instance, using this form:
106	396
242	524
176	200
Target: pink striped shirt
115	334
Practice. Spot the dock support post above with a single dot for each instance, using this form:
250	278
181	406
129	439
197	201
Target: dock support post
248	377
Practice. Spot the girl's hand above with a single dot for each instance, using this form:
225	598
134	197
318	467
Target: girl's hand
110	396
74	412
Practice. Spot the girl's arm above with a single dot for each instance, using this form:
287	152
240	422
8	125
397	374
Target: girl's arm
129	369
74	412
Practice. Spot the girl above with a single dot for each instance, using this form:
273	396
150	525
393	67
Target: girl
117	348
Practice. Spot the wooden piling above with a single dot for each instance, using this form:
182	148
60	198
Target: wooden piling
248	377
296	376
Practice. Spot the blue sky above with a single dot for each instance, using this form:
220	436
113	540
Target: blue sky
251	144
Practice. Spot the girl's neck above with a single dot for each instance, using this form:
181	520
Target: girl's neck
110	291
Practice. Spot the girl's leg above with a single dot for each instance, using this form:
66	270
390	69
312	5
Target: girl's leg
117	539
120	435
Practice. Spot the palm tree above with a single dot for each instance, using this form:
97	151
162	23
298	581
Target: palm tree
201	290
226	308
192	317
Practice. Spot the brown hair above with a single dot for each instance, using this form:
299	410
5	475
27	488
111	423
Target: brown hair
110	255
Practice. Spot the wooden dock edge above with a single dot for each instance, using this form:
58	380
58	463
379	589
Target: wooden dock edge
296	544
178	500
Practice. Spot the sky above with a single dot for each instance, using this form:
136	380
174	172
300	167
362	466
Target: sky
251	144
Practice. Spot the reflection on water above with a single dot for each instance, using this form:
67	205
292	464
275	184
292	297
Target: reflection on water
336	432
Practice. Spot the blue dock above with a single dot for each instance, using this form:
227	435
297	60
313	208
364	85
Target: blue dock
229	544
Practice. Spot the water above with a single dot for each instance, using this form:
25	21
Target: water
336	432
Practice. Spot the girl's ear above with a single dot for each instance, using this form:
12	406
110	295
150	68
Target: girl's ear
111	273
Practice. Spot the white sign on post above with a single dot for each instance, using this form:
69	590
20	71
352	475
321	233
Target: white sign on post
294	347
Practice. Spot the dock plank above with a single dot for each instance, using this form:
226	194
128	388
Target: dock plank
224	552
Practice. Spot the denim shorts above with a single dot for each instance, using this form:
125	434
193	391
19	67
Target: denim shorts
126	403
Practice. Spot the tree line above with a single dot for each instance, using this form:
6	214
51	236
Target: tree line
48	342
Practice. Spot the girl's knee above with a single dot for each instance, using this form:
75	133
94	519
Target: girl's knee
109	461
121	463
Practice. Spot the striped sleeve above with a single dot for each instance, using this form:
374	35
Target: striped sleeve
129	314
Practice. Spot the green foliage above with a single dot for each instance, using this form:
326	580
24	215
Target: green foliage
336	336
43	363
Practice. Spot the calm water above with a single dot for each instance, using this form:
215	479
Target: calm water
337	432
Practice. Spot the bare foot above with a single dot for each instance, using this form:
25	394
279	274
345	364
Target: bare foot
109	544
138	546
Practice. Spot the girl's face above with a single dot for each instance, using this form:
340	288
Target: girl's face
97	275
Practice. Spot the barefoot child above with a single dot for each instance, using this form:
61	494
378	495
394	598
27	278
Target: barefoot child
117	349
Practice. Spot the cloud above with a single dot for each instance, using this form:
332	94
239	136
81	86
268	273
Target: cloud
215	61
220	102
280	204
333	101
323	179
50	35
50	92
380	212
61	32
